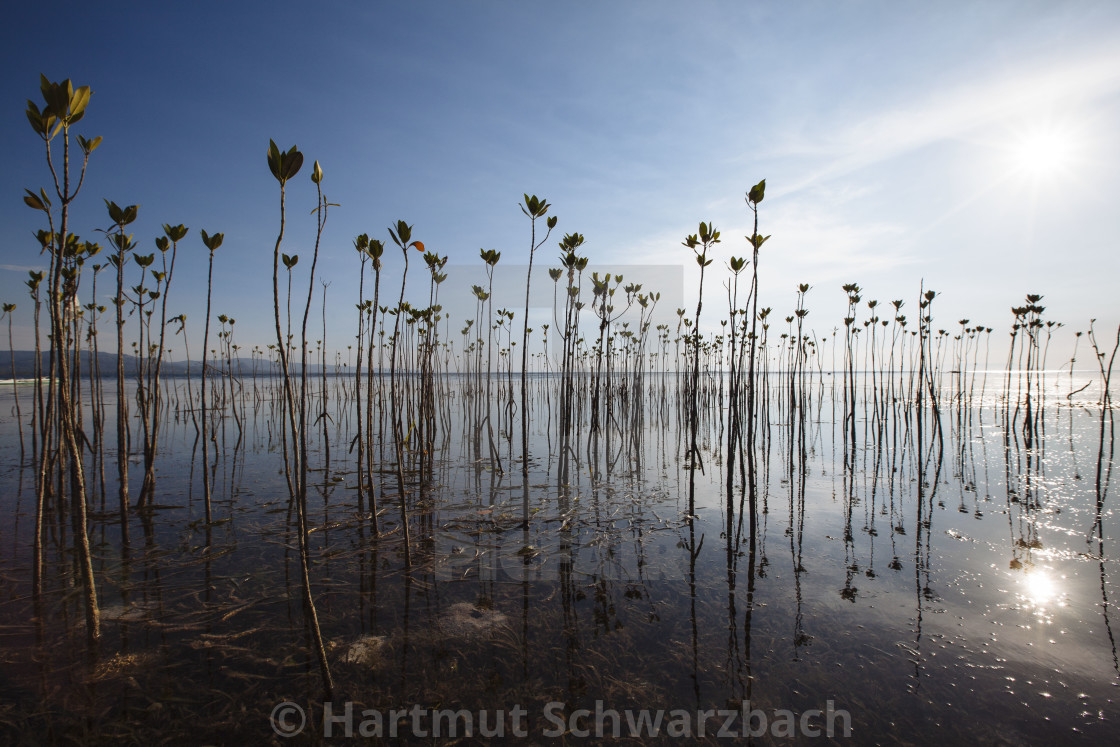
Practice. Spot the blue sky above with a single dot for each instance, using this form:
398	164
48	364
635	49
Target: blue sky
969	145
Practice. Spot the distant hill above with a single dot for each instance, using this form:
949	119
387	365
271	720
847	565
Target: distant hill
25	365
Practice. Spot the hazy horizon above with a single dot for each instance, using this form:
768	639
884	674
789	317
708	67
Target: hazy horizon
957	147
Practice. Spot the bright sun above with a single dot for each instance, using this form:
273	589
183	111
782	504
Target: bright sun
1042	152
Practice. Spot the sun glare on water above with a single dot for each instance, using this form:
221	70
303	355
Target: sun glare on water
1041	589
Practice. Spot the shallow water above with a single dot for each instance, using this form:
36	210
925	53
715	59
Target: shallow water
963	593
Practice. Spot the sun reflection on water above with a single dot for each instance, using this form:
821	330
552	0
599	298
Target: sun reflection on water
1040	589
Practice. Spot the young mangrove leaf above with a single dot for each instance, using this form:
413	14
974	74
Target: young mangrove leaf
757	192
212	242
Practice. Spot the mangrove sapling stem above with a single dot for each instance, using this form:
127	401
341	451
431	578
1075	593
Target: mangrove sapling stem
533	208
700	244
285	165
736	265
182	320
1072	363
226	337
490	257
140	348
8	309
361	243
321	221
37	431
572	306
753	197
172	235
401	237
97	391
323	415
211	243
65	105
33	281
376	249
1106	400
124	245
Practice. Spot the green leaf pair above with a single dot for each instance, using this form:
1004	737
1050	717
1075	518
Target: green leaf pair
212	242
284	164
756	193
121	217
175	233
37	201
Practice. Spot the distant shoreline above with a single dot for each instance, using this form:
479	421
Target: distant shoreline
110	374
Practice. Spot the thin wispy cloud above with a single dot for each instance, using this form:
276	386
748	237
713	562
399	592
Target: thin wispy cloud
926	117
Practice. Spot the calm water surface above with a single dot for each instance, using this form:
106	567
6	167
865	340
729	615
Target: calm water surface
961	588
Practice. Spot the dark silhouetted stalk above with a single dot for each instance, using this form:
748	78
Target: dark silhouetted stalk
212	243
402	237
37	426
171	238
8	309
699	243
65	106
572	306
285	165
361	244
376	249
533	208
121	217
753	198
490	257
